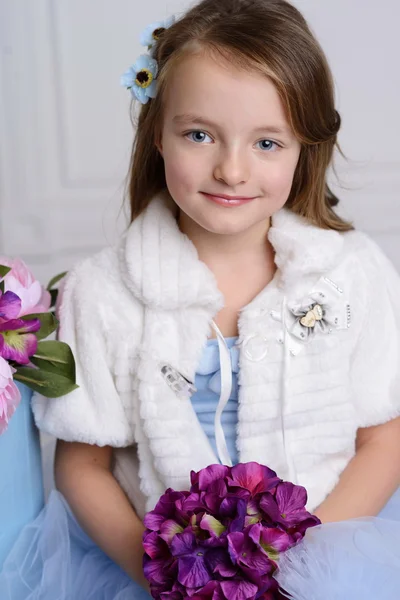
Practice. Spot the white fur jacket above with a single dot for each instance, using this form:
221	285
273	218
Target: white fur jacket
320	354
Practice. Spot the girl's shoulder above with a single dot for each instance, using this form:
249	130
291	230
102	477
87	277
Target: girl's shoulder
96	285
370	261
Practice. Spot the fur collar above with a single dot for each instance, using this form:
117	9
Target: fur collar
161	265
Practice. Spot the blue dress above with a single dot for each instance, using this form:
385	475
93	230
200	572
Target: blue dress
54	559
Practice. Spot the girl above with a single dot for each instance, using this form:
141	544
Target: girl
238	287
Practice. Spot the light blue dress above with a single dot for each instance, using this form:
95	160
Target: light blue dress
54	559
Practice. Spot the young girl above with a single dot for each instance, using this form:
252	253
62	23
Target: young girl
239	319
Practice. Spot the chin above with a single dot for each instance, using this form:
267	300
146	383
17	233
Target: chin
226	228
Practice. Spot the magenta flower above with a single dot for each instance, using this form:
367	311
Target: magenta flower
211	591
222	539
253	477
287	507
10	395
193	571
10	306
34	298
272	540
17	340
245	553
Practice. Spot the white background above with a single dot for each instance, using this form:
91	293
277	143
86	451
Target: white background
65	132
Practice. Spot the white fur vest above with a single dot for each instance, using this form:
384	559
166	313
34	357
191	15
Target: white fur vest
320	354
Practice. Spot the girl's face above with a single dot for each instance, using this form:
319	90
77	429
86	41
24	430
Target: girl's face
225	132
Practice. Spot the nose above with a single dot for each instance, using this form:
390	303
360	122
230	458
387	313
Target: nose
231	167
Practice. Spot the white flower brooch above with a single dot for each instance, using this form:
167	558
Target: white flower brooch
323	310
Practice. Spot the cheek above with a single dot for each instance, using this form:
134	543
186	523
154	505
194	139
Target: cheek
278	177
181	170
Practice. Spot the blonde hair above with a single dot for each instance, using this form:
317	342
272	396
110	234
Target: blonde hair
271	37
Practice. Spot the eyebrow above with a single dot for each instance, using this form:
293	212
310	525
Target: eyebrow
189	119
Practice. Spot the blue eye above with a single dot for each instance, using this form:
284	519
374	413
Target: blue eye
272	147
197	133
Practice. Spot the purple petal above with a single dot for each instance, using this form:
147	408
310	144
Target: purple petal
20	325
172	596
253	477
192	571
169	529
218	562
153	521
10	306
156	570
18	347
235	545
270	508
237	524
270	539
166	504
212	525
204	478
183	543
193	503
239	590
211	591
155	546
291	498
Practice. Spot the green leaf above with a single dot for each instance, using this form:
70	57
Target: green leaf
2	287
4	270
54	296
50	385
48	323
55	280
55	357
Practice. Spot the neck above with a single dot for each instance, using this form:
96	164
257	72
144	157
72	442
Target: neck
222	251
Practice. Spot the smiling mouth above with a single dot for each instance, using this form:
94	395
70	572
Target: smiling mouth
224	200
226	197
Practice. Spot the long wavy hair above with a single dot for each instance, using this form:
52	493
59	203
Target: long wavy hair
271	37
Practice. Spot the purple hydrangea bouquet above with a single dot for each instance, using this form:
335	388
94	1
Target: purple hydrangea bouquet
222	539
26	319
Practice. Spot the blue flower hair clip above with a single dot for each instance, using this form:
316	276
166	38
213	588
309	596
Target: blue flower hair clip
141	77
153	32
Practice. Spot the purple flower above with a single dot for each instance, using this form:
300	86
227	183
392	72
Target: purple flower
17	340
10	306
202	480
211	591
287	508
193	571
222	539
270	539
164	509
245	553
238	589
253	477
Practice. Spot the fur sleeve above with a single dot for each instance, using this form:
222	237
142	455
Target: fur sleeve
375	369
93	413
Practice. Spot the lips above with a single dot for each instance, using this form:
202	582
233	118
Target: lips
230	197
228	201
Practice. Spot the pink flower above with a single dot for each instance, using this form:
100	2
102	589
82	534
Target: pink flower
34	298
9	394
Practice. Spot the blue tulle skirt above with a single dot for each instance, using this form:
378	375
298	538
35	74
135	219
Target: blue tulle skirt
355	559
54	559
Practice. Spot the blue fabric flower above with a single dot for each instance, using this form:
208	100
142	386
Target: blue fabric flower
140	78
150	35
